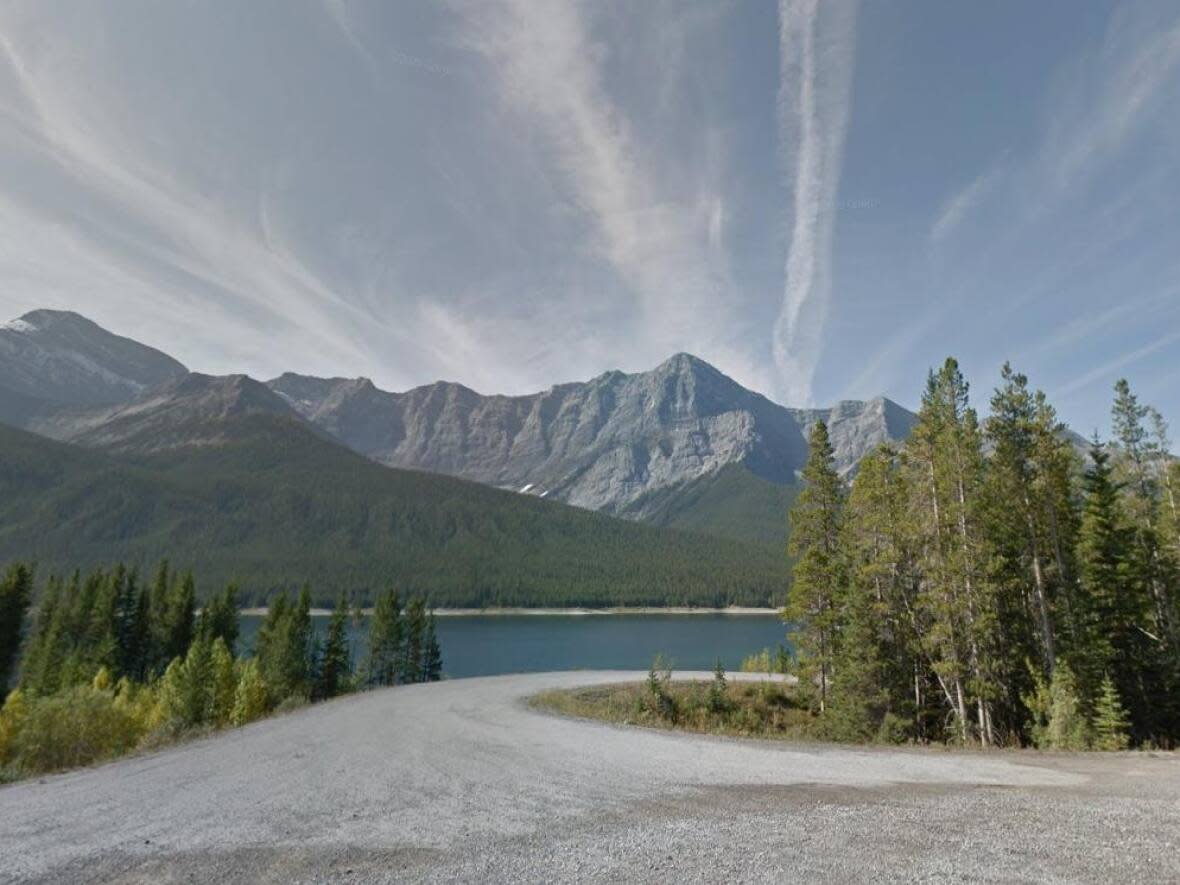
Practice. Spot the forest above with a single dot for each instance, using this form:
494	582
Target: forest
992	582
273	506
109	663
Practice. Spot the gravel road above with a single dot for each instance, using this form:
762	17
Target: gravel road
461	782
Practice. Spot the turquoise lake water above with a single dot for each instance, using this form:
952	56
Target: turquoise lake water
486	645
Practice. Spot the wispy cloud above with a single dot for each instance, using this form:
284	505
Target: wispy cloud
962	202
1108	369
816	46
663	238
1135	67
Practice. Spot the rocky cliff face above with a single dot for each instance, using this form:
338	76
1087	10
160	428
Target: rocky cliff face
605	444
661	446
194	410
53	359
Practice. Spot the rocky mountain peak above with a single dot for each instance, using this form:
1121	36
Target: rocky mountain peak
52	359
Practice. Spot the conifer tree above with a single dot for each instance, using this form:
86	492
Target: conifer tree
16	595
1111	726
224	682
432	653
818	569
384	659
956	595
1029	481
1136	463
1068	727
876	673
181	617
220	619
335	664
1114	606
415	635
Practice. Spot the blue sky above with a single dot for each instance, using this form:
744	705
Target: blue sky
822	199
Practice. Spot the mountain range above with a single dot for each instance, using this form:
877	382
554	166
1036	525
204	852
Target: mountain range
682	445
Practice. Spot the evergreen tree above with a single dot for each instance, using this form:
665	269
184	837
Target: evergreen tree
42	661
285	648
956	595
16	595
220	619
1068	728
187	687
1136	468
384	660
415	633
432	653
718	698
1111	726
818	572
877	664
1029	481
224	682
180	617
335	664
1113	605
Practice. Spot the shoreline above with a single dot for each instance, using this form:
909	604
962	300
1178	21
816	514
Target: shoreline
734	610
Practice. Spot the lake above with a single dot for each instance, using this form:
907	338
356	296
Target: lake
485	645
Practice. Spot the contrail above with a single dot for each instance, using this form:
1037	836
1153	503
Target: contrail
816	50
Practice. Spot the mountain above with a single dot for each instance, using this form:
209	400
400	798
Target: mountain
193	410
53	359
274	504
680	446
632	445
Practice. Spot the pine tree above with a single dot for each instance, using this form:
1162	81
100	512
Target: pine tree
16	595
432	653
384	659
224	682
415	633
1029	477
220	619
1113	605
181	617
1111	726
957	597
285	648
1068	727
718	701
1135	465
41	664
877	665
818	570
335	665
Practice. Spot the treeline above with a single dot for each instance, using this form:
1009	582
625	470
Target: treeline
281	508
110	663
987	583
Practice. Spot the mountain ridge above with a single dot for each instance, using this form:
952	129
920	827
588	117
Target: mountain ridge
682	444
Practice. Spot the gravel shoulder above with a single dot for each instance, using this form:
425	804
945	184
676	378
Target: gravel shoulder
462	781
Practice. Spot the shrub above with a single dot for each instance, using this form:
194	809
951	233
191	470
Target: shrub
79	726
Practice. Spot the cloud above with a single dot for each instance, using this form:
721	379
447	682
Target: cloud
816	45
1108	369
956	208
662	236
1135	67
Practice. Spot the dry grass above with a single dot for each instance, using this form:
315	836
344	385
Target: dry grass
743	709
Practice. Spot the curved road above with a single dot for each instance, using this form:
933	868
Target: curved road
461	781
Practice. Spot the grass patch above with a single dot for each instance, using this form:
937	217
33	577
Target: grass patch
738	709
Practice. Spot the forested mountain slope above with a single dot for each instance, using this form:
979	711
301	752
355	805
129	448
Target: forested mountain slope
273	504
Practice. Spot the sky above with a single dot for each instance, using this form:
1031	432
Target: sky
823	199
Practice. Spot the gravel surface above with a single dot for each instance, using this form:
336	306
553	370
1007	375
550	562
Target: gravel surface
462	782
